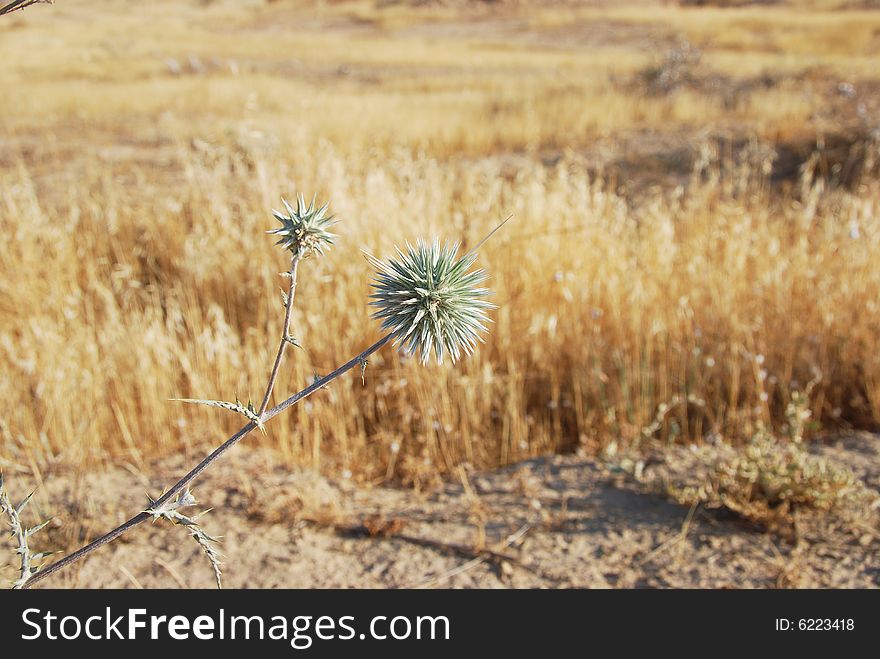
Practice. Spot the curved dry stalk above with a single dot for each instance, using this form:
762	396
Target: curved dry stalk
285	335
181	485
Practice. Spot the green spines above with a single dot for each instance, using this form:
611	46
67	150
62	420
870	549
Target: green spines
429	301
304	228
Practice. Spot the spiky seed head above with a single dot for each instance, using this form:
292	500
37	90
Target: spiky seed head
304	228
429	301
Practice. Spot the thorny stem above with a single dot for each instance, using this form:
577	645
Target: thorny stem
204	464
294	264
20	533
20	4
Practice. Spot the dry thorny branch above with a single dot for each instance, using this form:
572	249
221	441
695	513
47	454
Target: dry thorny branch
10	7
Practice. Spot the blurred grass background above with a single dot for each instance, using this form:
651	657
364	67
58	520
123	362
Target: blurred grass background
694	188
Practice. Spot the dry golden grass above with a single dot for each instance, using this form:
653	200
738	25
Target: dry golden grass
144	145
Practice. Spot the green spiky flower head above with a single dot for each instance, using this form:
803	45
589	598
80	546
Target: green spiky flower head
304	228
429	301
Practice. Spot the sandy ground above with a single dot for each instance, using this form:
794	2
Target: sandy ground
554	522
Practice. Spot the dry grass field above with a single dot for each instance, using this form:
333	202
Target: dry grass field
692	259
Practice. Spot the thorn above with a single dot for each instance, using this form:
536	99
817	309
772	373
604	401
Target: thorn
29	532
489	235
364	363
24	503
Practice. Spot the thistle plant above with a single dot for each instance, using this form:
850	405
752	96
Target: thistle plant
303	229
429	301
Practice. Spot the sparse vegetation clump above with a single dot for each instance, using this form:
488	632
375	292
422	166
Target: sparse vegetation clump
768	480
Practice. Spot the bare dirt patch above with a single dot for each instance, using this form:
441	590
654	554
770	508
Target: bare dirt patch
559	521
